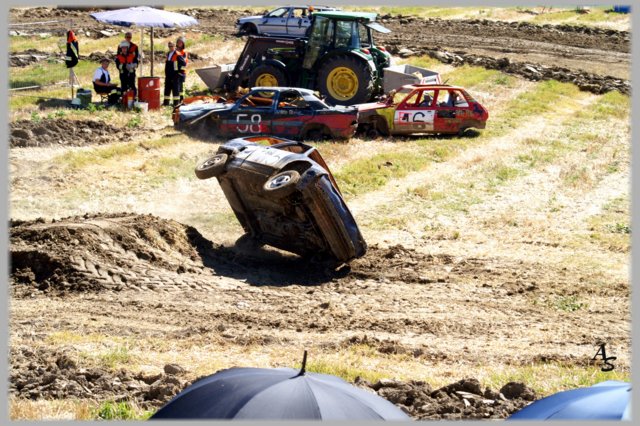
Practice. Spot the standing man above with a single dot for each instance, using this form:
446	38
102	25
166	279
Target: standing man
180	60
133	49
170	76
125	65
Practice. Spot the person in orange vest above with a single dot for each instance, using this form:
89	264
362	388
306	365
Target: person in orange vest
126	67
180	61
133	49
71	60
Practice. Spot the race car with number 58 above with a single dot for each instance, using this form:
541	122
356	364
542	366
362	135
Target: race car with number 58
279	111
423	108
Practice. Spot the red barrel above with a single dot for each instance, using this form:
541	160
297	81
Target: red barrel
149	91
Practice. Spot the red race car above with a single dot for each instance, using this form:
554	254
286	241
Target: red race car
423	108
280	111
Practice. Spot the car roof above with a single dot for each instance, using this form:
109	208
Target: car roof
431	86
282	89
340	14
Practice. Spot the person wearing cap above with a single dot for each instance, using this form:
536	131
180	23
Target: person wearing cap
179	61
126	66
170	75
102	81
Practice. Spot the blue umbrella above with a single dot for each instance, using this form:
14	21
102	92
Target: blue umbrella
278	393
610	400
144	16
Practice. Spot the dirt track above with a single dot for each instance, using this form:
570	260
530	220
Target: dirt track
592	50
426	302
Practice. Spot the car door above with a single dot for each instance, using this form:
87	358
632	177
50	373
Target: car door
251	115
411	117
449	114
275	22
291	114
298	22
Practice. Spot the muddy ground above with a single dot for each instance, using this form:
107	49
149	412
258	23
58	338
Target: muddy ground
60	131
602	52
135	266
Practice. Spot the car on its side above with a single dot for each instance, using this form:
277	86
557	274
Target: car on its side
284	195
283	21
423	108
280	111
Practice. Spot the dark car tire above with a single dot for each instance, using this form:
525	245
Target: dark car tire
340	87
211	167
248	29
282	184
268	73
315	134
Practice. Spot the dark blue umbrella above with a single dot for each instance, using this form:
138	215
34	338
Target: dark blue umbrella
610	400
278	393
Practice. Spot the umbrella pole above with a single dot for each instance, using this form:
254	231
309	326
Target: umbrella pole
151	51
141	51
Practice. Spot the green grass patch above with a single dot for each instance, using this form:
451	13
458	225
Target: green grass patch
471	76
168	168
612	228
47	73
610	105
543	98
111	410
344	370
549	378
371	173
568	304
100	155
115	357
424	62
499	173
78	160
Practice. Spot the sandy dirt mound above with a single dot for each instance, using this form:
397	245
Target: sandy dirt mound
60	131
120	251
94	253
37	373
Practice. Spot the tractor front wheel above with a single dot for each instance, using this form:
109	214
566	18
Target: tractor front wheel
268	76
345	80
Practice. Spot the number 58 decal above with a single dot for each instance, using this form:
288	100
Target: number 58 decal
253	127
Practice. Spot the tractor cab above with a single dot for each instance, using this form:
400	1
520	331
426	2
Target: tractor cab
337	31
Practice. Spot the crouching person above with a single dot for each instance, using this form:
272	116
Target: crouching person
102	83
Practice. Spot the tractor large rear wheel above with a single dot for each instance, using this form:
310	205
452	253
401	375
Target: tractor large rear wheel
267	75
345	80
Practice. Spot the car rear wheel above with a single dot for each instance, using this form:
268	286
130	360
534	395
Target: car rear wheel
211	167
345	80
268	76
282	184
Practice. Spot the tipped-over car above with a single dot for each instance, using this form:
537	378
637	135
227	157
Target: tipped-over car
284	195
423	108
280	111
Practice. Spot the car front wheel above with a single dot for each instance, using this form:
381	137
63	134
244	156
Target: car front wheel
282	184
211	167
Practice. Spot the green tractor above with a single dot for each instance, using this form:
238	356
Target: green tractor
338	58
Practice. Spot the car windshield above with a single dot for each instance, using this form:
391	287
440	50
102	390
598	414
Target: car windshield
280	12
